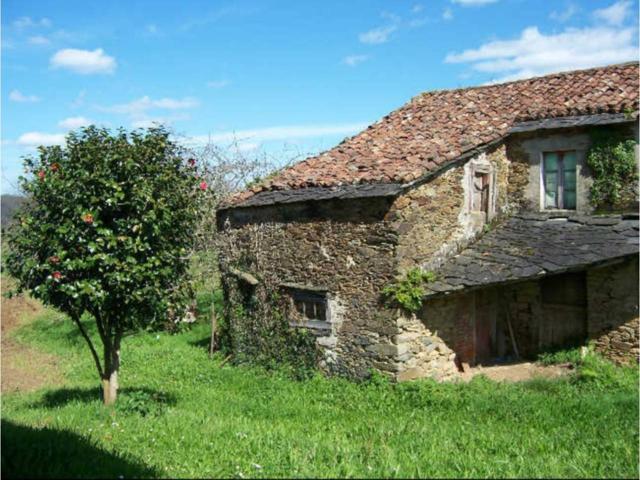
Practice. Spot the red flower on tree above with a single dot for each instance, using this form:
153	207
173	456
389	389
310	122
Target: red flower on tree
192	162
203	185
41	174
87	218
56	275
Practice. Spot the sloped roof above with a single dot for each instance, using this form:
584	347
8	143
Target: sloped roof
437	127
533	245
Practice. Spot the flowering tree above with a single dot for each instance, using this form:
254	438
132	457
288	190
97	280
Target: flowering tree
106	231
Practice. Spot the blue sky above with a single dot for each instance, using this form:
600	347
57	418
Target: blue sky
284	77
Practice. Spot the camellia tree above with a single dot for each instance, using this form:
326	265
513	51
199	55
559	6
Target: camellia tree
106	231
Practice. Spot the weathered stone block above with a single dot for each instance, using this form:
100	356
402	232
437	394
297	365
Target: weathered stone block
383	349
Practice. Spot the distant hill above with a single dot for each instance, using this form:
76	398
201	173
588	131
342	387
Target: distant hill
8	206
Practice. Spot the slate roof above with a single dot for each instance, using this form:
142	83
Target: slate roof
437	127
528	246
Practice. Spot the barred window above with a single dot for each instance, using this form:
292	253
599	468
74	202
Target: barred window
310	305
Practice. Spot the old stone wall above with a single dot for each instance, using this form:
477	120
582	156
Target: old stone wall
346	248
434	220
443	336
451	318
422	352
353	249
613	310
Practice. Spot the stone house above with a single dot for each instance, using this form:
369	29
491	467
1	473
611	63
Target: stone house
486	187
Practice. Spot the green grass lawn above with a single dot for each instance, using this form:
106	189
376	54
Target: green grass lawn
181	414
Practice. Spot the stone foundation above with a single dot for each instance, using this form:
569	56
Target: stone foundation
421	353
613	311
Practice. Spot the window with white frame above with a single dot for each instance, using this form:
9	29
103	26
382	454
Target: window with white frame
559	179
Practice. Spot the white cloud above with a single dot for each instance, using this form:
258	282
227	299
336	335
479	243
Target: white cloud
72	123
39	40
144	104
473	3
614	14
35	139
218	83
85	62
28	22
447	14
534	53
565	14
17	96
279	133
377	35
145	121
353	60
417	8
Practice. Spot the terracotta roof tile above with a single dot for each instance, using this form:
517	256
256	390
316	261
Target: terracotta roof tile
436	127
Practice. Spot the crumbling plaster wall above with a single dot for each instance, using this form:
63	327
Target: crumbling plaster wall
525	152
534	145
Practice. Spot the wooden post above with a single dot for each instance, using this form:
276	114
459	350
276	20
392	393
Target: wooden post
212	344
505	303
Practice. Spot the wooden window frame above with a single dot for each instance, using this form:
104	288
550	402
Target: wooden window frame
318	302
485	172
300	299
560	180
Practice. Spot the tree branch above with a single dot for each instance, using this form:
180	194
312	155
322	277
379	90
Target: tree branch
90	343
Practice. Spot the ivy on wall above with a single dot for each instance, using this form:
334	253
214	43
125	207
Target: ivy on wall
612	161
256	331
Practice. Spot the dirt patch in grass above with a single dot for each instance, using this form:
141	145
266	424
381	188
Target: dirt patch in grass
23	368
518	372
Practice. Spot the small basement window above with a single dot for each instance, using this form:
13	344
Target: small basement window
559	179
308	307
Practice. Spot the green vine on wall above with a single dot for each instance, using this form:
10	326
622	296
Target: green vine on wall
257	332
409	291
612	161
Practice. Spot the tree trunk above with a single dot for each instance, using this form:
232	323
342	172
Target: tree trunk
110	378
110	388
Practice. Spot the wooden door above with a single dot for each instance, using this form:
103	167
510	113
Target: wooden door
485	326
564	311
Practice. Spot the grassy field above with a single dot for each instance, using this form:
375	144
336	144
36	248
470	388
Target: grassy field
181	414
